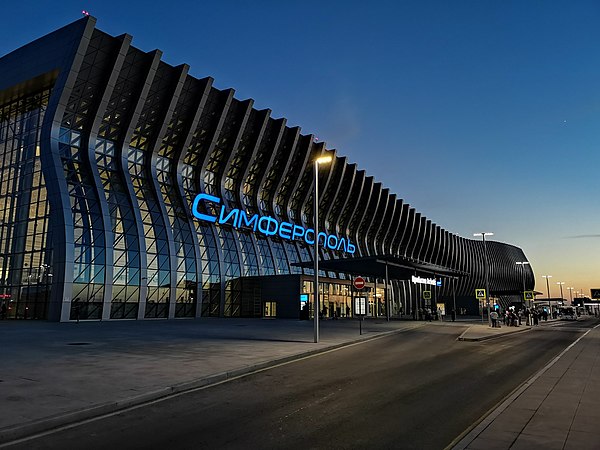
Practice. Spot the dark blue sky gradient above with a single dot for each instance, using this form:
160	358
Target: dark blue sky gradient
481	114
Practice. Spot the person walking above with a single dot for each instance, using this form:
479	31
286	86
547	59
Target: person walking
494	317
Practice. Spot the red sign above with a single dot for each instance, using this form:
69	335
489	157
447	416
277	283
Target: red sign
359	282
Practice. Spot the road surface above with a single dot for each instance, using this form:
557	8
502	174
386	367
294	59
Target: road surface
417	389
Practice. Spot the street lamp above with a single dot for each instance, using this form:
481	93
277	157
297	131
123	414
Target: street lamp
571	294
528	304
321	160
560	283
485	270
547	284
522	264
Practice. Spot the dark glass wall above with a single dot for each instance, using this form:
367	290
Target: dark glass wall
26	268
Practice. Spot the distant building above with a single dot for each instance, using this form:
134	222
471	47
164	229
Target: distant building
590	305
130	190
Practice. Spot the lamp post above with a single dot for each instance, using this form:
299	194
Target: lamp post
522	264
528	304
485	270
547	284
560	283
571	294
316	309
453	299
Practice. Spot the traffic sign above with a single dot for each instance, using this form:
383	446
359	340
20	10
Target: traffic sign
359	283
426	295
480	293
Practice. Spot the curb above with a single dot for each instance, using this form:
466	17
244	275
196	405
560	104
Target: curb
489	336
10	434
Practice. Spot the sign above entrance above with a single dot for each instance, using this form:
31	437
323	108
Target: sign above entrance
429	281
480	293
528	295
427	295
359	283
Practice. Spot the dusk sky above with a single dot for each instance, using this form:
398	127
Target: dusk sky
483	115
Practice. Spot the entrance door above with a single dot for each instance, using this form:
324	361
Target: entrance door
270	309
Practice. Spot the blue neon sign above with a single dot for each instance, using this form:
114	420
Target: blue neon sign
269	226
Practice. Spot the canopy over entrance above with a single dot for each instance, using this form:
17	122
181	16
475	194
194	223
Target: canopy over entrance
384	267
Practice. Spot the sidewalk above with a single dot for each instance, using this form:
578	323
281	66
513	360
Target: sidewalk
557	409
482	332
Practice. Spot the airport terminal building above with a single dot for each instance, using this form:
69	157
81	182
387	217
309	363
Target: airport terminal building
130	189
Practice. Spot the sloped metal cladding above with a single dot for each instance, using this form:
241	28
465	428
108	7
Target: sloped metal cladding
105	148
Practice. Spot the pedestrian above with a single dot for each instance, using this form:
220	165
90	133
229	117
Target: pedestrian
3	311
453	315
494	317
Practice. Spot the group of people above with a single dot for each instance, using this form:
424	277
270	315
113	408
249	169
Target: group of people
514	318
429	315
509	317
535	315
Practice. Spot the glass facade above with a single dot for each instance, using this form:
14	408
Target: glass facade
337	299
26	244
129	141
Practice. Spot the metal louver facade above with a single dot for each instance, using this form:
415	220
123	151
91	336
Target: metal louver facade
105	147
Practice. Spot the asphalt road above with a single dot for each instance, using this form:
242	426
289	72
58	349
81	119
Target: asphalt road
419	389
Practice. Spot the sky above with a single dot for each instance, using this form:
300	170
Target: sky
483	115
